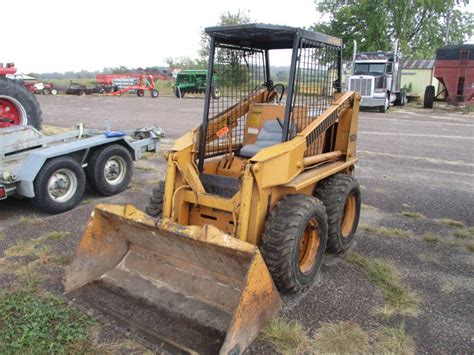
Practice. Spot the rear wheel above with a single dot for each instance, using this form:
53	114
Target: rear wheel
155	205
294	241
18	106
59	185
429	97
110	169
341	197
140	93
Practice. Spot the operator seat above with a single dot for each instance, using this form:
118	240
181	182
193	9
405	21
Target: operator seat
270	134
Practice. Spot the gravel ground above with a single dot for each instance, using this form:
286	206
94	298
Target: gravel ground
410	160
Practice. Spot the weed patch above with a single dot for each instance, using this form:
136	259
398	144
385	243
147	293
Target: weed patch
386	232
415	215
33	220
398	299
470	247
431	238
33	324
450	222
462	234
30	247
393	341
287	337
341	338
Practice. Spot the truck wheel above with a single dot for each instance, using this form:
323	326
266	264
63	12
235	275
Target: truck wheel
59	185
385	107
216	93
155	93
18	106
401	98
429	96
155	205
294	241
110	169
341	196
140	92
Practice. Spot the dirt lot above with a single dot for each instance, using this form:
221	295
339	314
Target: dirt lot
417	175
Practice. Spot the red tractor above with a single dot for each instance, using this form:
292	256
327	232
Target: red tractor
18	106
454	68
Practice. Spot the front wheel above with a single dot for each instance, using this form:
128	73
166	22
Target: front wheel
59	185
386	105
294	241
110	169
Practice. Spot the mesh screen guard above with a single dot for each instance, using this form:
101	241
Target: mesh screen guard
239	76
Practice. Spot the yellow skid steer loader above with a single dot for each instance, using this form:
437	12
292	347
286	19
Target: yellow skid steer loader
253	198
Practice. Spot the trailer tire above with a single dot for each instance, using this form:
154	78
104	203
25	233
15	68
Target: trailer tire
216	93
294	241
110	169
140	92
14	93
341	196
56	175
155	93
429	96
54	92
155	205
46	91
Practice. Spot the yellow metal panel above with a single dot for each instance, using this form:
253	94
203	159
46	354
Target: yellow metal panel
312	176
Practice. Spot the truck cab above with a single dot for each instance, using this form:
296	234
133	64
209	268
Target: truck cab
376	76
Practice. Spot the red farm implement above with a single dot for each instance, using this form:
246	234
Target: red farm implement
454	68
18	106
123	83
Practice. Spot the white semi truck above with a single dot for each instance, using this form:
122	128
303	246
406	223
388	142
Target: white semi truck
376	76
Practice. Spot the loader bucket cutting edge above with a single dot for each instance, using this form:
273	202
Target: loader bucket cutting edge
215	287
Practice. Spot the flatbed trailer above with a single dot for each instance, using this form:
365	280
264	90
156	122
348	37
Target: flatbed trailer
53	170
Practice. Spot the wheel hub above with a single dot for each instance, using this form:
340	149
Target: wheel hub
309	246
12	112
349	216
114	170
62	185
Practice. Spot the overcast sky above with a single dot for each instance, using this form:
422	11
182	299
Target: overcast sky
60	35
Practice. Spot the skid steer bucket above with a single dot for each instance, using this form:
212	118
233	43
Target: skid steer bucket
194	289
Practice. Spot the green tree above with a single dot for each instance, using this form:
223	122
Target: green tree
226	18
420	26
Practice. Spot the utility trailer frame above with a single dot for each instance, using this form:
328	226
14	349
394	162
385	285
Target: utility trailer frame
25	153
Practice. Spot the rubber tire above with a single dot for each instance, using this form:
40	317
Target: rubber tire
383	109
82	93
216	95
155	94
176	93
333	192
155	205
429	96
282	237
95	169
54	92
46	91
42	200
16	90
401	98
140	93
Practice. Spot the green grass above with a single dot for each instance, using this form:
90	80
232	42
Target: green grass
393	341
287	337
462	234
398	299
415	215
33	324
386	232
33	220
2	237
30	247
470	247
341	338
431	238
451	222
